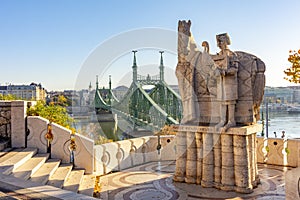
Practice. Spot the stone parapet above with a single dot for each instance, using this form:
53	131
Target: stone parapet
224	160
84	154
120	155
278	151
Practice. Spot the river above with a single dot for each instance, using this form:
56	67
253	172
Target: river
278	122
284	121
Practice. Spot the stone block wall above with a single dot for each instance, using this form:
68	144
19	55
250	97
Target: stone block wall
12	121
5	120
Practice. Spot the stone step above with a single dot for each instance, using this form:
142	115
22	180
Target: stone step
5	151
30	166
59	176
8	154
73	180
87	185
15	161
43	174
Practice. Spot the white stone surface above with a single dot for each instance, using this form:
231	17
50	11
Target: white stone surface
109	158
84	154
98	164
168	147
124	156
38	129
137	151
18	114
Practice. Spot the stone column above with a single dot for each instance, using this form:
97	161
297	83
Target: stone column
208	161
217	159
18	115
191	158
253	167
199	145
242	163
181	153
227	163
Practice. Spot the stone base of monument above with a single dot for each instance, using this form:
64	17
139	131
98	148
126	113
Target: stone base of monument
224	160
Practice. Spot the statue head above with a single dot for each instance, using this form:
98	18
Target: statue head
223	40
184	34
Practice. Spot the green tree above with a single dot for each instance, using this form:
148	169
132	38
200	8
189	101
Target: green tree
54	113
293	73
8	97
62	100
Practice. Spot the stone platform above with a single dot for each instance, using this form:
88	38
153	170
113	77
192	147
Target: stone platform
211	158
155	181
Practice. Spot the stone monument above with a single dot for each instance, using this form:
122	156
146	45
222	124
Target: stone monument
221	95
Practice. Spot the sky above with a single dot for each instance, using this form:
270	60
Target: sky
64	44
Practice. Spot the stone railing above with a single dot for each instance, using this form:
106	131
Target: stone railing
120	155
124	154
276	151
38	128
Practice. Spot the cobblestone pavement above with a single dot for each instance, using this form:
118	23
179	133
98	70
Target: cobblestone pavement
154	181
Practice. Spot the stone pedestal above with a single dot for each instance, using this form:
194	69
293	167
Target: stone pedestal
226	160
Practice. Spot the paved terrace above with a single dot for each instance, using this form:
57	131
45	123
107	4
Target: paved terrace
154	181
149	181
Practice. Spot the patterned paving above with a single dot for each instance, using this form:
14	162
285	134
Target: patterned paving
154	181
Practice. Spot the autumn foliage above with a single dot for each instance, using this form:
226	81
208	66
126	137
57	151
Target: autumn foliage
293	73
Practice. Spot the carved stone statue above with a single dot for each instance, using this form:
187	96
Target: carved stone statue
226	75
221	95
194	71
223	89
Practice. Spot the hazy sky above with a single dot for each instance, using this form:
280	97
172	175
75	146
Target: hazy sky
50	41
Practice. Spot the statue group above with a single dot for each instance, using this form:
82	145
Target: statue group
221	94
221	90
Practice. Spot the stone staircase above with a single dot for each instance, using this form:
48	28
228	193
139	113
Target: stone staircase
28	164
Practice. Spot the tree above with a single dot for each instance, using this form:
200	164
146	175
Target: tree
8	97
62	100
293	73
54	113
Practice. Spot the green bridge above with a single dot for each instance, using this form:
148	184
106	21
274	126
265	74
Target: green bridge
150	110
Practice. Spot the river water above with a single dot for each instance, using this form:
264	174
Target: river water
278	122
283	121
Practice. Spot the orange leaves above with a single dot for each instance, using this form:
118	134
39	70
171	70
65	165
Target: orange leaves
293	73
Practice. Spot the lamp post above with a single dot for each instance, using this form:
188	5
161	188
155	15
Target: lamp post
267	118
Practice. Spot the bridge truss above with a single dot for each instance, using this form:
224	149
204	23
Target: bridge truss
151	110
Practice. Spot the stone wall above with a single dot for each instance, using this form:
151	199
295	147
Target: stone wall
124	154
277	151
5	120
84	154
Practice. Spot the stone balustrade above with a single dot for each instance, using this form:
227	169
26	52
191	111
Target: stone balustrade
124	154
38	127
120	155
277	151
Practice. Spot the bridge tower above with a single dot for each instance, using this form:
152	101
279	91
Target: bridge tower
134	67
161	67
